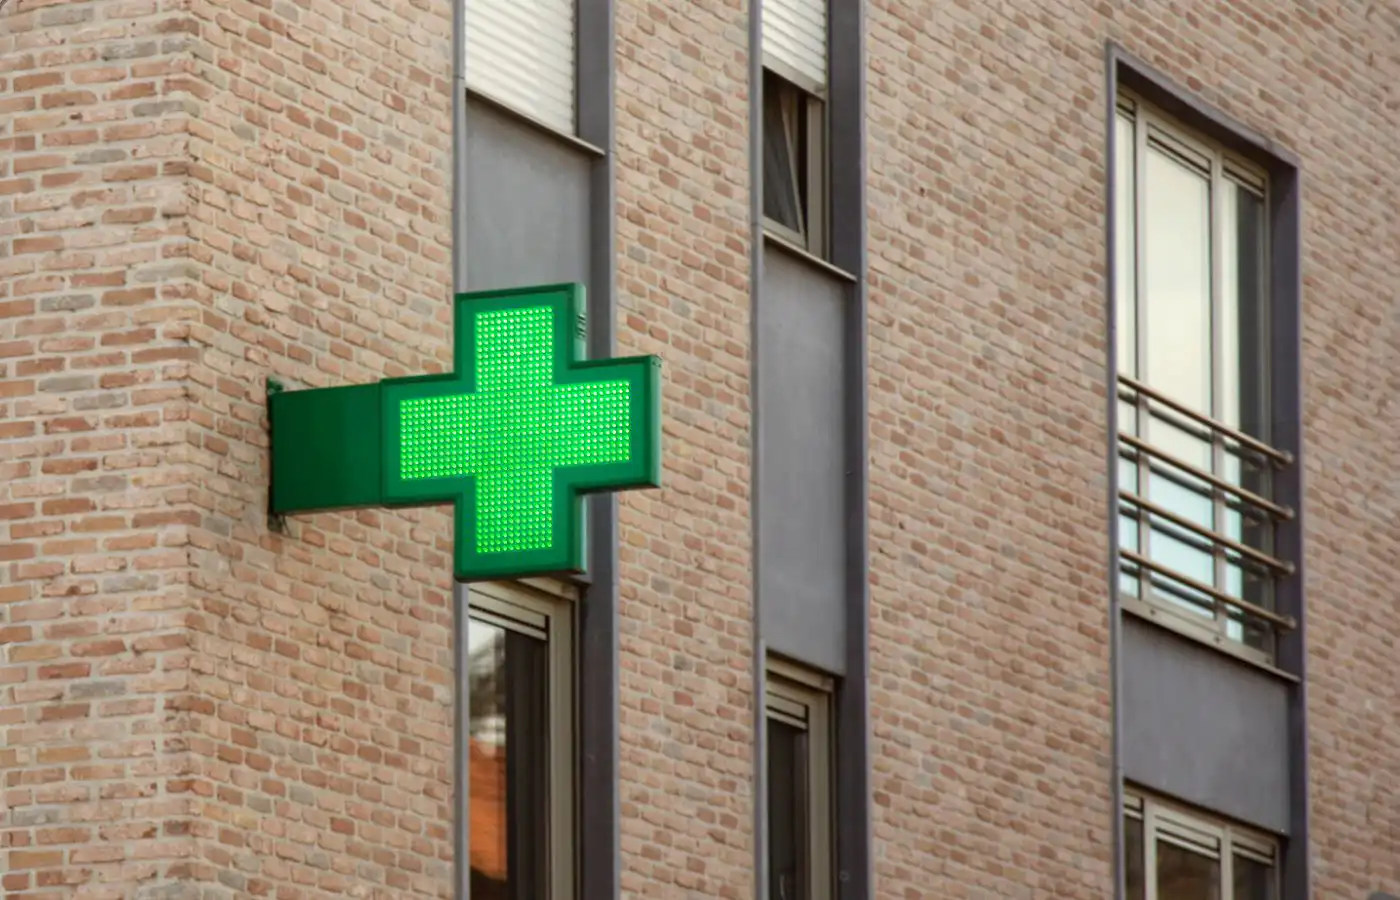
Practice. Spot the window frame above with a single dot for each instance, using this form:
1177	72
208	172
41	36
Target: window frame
801	698
535	611
1220	166
812	103
1207	836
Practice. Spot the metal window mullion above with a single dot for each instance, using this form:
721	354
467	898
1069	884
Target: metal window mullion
508	623
1142	411
1217	379
560	792
1227	866
820	787
1149	850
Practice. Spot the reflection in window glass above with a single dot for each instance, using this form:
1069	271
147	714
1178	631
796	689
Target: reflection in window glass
784	153
1183	875
509	767
1172	855
1253	880
787	813
1243	335
1135	869
1178	331
1176	242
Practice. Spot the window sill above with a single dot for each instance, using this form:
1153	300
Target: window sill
525	118
1146	611
769	237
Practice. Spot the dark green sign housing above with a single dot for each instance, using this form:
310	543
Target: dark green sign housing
521	429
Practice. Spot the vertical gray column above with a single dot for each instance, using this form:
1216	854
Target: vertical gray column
1286	360
461	618
810	447
1115	619
541	211
599	801
848	245
760	651
1183	710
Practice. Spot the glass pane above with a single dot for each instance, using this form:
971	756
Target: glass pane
1125	250
788	865
1244	400
1251	631
1253	880
1171	486
1128	522
1183	875
1127	417
1177	548
783	152
1135	877
1243	403
509	763
1177	289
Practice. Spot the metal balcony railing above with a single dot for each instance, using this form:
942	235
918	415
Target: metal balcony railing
1159	584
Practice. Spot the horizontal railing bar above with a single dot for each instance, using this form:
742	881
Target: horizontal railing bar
1281	457
1216	537
1216	594
1215	481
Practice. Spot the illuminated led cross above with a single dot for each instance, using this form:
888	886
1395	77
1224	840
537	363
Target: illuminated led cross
514	437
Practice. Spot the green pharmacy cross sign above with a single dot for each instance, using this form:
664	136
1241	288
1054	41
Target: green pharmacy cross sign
514	436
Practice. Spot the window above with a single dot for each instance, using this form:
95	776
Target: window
520	744
799	774
794	122
1174	855
1196	469
522	55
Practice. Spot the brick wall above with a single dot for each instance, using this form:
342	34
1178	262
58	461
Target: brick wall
686	599
195	195
96	316
320	683
989	658
988	526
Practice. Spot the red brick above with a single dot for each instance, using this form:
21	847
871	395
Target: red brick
31	163
65	670
35	859
37	80
99	648
16	510
60	99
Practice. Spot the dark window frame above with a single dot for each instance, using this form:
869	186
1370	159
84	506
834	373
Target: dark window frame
797	154
1199	836
801	699
548	618
1277	606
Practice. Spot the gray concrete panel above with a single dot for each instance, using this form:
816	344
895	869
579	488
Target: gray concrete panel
802	437
1204	727
527	203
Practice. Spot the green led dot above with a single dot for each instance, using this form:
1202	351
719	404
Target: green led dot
515	430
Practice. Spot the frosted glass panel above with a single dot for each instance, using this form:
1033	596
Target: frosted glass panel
1177	247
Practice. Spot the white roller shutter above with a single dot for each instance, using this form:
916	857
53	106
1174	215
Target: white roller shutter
521	53
794	37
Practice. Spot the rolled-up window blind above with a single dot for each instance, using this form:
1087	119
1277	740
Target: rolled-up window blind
521	53
794	38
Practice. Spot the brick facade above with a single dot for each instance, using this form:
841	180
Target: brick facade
198	195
